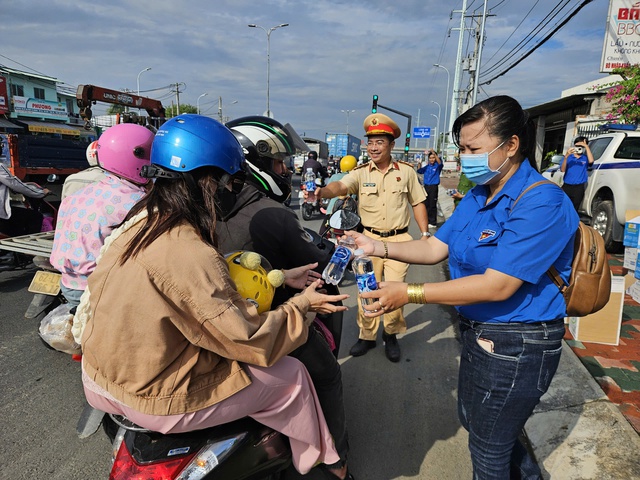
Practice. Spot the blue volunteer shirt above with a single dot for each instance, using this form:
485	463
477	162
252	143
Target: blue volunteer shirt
431	173
576	171
523	243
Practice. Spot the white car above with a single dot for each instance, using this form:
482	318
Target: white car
614	181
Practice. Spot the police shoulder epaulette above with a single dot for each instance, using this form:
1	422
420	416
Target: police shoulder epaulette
405	163
360	166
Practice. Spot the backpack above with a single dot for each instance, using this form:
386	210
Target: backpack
589	285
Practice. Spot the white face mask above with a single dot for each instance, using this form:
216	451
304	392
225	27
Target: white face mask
476	166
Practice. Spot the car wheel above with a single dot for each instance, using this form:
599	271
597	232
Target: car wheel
602	221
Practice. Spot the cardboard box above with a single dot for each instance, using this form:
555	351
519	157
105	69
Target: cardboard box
632	228
630	258
603	326
634	291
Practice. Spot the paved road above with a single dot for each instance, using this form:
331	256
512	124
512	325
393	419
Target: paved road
402	417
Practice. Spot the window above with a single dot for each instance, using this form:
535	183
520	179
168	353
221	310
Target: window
38	93
598	146
629	148
17	90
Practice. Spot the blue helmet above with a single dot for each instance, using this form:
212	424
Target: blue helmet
188	141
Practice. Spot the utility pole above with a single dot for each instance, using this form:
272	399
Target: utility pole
177	85
456	78
474	96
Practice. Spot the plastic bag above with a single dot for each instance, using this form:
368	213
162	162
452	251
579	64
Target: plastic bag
55	330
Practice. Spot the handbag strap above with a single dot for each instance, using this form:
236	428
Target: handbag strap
553	273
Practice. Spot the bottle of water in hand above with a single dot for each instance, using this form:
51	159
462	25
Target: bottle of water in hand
334	271
310	181
365	277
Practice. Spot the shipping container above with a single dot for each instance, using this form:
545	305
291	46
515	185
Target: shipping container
341	144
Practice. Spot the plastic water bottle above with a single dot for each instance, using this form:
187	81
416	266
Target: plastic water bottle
310	180
365	277
334	271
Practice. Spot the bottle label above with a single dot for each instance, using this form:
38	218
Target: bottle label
367	282
311	186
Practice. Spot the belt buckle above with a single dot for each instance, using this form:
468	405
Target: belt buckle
386	234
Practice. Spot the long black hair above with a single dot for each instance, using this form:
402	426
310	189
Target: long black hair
174	201
503	117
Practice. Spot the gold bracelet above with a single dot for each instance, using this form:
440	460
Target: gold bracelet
415	292
386	249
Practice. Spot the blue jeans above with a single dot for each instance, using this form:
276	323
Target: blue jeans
497	391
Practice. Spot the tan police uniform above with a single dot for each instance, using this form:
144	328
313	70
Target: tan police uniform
385	202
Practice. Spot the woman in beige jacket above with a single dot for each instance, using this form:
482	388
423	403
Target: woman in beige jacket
168	341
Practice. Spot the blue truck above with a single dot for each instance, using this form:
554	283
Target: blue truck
341	144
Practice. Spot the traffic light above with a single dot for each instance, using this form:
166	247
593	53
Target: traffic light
407	141
374	107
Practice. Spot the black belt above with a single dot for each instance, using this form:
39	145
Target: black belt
388	233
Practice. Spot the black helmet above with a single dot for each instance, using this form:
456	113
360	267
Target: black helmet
264	140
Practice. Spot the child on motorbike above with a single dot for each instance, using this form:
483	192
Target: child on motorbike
87	216
169	342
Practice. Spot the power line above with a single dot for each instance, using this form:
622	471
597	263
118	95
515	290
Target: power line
528	38
542	42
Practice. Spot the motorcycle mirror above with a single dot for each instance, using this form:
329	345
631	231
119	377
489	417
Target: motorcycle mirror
52	178
344	220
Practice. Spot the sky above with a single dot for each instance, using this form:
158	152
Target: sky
330	60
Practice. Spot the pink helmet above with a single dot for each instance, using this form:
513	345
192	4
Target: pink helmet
92	158
124	149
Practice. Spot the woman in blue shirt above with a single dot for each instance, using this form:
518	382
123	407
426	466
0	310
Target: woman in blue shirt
511	313
575	165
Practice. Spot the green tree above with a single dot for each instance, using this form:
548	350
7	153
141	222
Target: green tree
625	96
115	109
172	111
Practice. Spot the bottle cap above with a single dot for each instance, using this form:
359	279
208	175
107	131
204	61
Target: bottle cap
359	252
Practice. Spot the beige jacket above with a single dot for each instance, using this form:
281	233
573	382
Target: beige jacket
168	329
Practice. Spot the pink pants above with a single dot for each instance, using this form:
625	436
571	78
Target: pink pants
281	397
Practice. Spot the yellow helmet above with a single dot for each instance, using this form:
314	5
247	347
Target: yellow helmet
254	278
347	163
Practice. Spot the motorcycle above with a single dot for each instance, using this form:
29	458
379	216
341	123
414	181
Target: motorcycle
240	450
311	205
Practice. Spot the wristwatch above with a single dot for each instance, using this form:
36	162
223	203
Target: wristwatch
426	234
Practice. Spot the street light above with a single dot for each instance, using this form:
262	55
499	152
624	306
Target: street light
348	112
138	79
446	105
439	111
268	32
436	135
220	108
198	102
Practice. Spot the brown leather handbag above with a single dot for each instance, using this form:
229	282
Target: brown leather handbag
589	285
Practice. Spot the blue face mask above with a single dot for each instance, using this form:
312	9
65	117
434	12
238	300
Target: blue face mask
476	166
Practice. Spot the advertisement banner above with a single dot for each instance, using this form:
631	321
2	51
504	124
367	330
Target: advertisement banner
4	99
622	35
33	107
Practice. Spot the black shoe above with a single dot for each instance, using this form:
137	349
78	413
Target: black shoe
361	347
391	347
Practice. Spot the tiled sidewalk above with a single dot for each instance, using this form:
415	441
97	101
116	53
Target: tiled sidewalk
617	368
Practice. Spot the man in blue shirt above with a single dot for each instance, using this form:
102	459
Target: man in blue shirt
431	178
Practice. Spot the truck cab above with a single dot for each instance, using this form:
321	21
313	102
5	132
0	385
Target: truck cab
613	185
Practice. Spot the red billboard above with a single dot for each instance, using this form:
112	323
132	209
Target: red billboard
4	99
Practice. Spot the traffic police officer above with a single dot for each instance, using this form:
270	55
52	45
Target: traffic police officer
387	192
